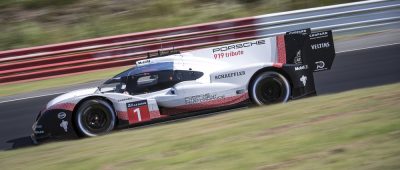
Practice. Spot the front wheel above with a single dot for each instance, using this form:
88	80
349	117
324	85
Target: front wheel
95	117
269	88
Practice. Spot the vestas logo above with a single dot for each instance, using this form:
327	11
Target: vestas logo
238	46
320	45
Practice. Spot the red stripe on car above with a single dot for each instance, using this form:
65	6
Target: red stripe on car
280	43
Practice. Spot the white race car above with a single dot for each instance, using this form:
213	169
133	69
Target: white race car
262	71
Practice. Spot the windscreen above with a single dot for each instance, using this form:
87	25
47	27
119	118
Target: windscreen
118	83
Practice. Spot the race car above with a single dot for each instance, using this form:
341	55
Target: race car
259	72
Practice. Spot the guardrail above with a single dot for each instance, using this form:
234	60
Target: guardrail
72	57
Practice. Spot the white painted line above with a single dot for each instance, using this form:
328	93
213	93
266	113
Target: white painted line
13	100
322	8
366	26
367	48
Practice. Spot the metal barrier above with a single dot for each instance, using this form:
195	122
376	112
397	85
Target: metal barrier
121	50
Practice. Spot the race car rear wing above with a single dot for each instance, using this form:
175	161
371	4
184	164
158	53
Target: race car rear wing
316	50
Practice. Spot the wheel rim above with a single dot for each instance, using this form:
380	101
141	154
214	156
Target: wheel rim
270	88
270	91
95	120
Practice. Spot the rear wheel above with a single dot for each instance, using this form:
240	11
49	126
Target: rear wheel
269	88
95	117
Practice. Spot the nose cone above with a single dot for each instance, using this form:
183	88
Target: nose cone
72	94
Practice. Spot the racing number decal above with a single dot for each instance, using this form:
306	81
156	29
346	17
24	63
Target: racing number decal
138	111
139	116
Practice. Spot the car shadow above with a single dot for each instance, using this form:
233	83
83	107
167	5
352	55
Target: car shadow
21	142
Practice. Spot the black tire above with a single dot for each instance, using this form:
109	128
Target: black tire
95	117
269	88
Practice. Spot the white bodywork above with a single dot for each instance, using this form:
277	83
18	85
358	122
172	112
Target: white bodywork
226	70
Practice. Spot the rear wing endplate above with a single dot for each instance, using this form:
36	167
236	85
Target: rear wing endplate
314	49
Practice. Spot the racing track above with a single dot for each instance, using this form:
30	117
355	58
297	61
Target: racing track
351	70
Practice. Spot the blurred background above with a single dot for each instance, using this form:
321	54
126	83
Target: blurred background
26	23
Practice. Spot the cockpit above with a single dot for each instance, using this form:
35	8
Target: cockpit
148	78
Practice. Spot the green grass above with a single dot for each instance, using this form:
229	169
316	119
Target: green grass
18	88
358	129
26	23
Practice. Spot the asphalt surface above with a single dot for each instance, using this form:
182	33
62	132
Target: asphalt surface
351	70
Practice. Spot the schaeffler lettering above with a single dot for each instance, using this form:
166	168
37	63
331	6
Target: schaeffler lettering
228	75
303	67
238	46
202	98
321	45
121	100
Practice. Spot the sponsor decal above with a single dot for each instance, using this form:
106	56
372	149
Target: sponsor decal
318	34
320	45
226	101
320	65
35	125
238	46
142	62
303	67
64	125
303	79
202	98
229	75
298	32
228	54
38	131
138	111
136	104
36	128
121	100
297	59
61	115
